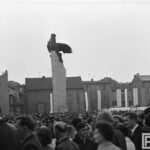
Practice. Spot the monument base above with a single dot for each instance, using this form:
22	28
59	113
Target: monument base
59	84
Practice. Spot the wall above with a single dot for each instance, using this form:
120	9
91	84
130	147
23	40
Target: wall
143	90
4	98
75	100
136	83
106	95
36	97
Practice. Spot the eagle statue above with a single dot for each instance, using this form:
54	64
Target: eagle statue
58	47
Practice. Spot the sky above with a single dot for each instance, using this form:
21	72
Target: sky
109	38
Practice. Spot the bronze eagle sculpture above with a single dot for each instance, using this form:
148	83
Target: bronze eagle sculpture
58	47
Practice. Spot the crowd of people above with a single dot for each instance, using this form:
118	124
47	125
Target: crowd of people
75	131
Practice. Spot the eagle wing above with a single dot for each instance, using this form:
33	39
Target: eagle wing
64	48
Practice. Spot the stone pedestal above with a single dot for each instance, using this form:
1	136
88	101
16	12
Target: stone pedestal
59	84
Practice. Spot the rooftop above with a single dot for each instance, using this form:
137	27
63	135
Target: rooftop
143	77
45	83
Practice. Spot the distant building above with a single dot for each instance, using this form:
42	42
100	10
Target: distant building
4	99
141	89
36	95
38	92
107	88
17	99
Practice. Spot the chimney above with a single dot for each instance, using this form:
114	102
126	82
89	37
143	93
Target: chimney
43	77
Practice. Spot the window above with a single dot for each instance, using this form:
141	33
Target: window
130	103
40	108
11	99
114	103
113	90
104	87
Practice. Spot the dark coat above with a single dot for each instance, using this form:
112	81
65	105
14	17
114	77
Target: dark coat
136	138
119	140
87	144
31	143
66	144
9	139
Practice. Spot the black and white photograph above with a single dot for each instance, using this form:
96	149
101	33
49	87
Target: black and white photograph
74	74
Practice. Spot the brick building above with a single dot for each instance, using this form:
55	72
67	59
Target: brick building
141	84
38	92
108	93
34	96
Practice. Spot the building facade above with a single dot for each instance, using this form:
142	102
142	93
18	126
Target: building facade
36	95
141	89
39	90
4	99
107	92
17	99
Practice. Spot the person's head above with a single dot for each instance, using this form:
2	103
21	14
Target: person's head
82	129
105	116
8	137
76	121
90	121
130	119
140	118
117	120
71	132
104	131
60	130
24	125
146	111
45	136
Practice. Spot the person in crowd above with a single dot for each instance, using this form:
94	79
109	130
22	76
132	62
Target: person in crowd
82	138
146	111
129	144
90	124
9	139
117	119
118	137
63	142
104	133
76	121
25	127
130	120
71	132
45	137
146	123
140	118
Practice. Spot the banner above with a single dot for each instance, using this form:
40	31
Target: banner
86	102
135	96
51	103
118	92
126	97
99	99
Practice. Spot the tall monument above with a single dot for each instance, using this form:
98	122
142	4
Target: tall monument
58	73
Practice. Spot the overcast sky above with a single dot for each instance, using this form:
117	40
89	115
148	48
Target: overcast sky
109	38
